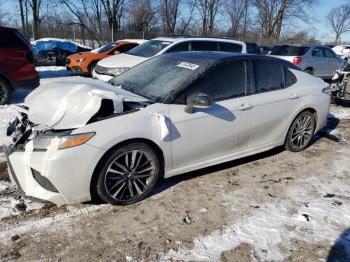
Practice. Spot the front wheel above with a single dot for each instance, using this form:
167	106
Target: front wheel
128	174
300	132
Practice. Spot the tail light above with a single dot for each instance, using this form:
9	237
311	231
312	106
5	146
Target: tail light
297	60
327	90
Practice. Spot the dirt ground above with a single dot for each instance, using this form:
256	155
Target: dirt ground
275	206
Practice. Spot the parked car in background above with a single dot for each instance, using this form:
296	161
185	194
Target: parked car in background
110	67
265	49
84	63
114	143
16	64
54	51
342	51
318	60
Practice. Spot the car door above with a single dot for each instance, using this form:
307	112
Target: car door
216	131
333	62
275	99
318	61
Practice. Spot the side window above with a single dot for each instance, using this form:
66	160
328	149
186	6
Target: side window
9	39
126	48
224	82
317	52
268	76
204	46
289	77
230	47
184	46
328	53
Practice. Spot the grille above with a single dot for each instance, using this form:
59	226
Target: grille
43	181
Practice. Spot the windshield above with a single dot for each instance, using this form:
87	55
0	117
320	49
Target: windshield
104	48
150	48
156	78
288	50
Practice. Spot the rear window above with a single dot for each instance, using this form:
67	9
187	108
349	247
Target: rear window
268	76
9	39
287	50
204	46
230	47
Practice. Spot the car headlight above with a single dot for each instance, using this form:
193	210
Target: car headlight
117	71
42	142
80	60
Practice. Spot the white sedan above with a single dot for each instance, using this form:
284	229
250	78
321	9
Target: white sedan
75	140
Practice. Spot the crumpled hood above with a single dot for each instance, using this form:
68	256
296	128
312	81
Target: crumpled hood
121	60
66	104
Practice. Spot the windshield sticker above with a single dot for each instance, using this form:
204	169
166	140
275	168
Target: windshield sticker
188	65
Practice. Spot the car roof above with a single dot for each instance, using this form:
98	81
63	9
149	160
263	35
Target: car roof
138	41
216	57
4	28
177	39
303	45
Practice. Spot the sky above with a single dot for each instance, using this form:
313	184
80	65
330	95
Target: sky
316	25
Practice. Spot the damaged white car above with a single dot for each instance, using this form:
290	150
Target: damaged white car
74	140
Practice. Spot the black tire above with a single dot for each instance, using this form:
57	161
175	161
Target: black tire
91	68
114	188
309	71
337	101
299	137
5	92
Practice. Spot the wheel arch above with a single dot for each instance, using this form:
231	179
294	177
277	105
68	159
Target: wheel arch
146	141
309	68
310	109
6	79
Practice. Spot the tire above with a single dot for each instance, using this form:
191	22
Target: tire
337	101
128	174
309	71
91	68
301	132
5	92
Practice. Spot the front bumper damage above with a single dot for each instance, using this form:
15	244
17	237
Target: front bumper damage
57	176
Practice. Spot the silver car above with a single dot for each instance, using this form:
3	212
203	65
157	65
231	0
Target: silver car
318	60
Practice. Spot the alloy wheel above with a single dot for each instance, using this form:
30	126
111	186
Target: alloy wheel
129	175
302	131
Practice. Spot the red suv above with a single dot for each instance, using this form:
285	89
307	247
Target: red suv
16	64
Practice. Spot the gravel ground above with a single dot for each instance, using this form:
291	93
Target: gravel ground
275	206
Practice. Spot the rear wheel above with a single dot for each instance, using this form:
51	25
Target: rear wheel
5	92
309	71
300	132
129	174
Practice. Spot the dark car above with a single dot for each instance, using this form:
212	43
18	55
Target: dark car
265	49
16	64
54	51
253	48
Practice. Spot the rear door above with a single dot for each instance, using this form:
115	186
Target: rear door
275	98
217	131
318	61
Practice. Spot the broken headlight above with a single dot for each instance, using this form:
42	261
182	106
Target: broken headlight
43	142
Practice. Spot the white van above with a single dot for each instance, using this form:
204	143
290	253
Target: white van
108	68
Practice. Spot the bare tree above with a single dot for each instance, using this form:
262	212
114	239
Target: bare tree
169	14
273	14
141	15
237	11
339	19
35	6
190	6
208	10
113	10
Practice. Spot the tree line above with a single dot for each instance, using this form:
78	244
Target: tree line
101	21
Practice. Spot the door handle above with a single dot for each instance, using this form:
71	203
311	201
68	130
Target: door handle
294	96
244	107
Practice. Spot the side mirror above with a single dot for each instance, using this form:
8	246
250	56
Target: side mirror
116	52
197	101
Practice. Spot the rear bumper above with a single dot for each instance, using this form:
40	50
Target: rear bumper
26	84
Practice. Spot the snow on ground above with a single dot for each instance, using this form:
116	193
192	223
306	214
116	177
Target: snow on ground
340	112
269	226
53	71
